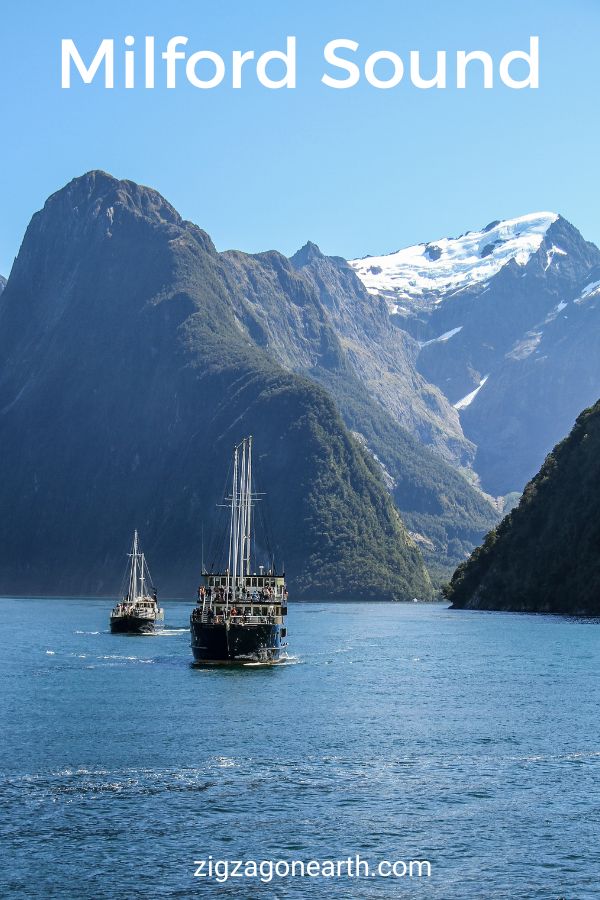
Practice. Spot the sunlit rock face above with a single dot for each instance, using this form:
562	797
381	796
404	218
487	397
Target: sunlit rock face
507	324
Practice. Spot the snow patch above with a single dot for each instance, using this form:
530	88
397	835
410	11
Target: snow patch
454	263
556	312
591	290
526	346
551	253
442	338
466	401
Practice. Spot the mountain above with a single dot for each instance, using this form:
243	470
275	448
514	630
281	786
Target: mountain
406	423
2	283
131	363
383	358
544	556
505	319
550	373
313	315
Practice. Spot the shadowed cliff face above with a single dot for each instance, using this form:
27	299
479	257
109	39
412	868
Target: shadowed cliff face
533	396
501	310
128	373
383	357
406	423
312	315
545	555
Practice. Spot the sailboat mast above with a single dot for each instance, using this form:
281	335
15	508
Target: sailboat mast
240	524
133	573
136	558
237	512
233	522
142	579
249	507
242	513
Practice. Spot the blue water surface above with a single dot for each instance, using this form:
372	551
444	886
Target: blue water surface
396	732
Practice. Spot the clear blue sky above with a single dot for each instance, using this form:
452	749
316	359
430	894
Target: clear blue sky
357	171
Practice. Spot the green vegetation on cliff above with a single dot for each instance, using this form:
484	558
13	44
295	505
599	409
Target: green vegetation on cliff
127	376
314	317
545	555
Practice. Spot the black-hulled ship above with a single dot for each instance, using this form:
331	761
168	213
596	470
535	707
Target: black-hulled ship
240	612
138	612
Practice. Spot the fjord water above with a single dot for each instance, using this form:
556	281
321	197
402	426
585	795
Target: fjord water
394	731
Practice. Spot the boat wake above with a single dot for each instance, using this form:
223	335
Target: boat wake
166	631
284	660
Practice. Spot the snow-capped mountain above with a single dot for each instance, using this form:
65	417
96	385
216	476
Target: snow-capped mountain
499	317
431	272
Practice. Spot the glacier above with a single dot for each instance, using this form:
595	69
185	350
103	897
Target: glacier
451	264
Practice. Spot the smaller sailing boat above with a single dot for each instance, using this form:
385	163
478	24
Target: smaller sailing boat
138	612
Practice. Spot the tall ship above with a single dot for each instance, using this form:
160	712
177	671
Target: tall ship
241	607
138	612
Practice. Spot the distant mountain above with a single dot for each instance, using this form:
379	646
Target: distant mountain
133	357
382	357
505	319
2	283
313	316
406	423
545	555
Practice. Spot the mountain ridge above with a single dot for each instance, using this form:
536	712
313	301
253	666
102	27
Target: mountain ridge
473	335
543	557
111	288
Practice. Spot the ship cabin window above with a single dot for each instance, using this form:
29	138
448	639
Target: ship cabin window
264	610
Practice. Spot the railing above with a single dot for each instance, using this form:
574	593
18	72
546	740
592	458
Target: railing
199	616
256	598
134	611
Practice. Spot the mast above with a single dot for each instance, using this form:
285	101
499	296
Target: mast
240	525
142	579
133	569
233	523
242	513
248	508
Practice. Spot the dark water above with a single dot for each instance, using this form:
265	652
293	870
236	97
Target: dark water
400	732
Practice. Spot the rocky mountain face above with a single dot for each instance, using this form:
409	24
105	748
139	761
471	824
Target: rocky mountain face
405	422
133	357
313	316
544	556
382	357
505	320
2	283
